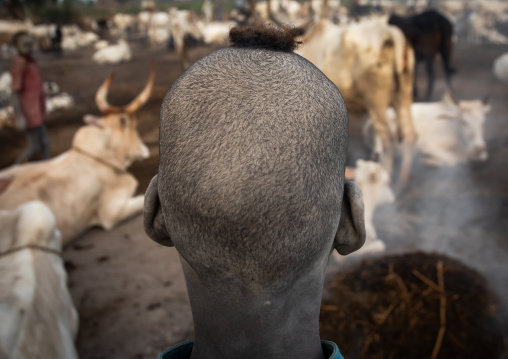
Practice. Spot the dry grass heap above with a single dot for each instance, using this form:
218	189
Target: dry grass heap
411	306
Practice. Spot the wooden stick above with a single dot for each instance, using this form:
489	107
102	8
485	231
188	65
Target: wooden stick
442	311
426	280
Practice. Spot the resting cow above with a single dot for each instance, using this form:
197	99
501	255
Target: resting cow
372	65
449	131
37	316
89	184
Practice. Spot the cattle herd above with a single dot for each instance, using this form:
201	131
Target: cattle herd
371	56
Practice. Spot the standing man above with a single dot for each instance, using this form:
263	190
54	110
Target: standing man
29	99
251	193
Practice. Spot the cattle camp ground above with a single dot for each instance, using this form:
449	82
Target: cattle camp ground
129	292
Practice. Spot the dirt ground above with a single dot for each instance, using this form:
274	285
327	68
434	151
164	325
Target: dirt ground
130	292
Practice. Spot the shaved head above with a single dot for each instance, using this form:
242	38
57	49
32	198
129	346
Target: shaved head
253	144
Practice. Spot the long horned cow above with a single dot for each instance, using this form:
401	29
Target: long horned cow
89	184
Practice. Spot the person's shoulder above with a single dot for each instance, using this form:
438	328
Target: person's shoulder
20	61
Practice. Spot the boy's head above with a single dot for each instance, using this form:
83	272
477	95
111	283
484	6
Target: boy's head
23	42
253	144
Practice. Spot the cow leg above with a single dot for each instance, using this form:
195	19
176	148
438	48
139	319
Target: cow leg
117	203
380	121
430	75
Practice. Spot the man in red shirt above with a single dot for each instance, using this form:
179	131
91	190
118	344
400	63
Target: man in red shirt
29	99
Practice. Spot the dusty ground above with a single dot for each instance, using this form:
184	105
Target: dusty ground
130	292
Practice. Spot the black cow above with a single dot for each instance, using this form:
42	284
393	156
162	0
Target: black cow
429	33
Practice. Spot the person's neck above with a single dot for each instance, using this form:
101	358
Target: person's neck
235	324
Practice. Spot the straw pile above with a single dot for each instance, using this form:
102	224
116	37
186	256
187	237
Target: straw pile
411	306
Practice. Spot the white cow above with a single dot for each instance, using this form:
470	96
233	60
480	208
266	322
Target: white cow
372	64
113	54
500	67
448	132
89	184
38	317
60	101
375	184
101	44
124	21
215	32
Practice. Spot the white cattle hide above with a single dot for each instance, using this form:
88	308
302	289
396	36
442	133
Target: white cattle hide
113	54
5	82
101	44
215	32
500	67
38	317
123	21
59	102
448	132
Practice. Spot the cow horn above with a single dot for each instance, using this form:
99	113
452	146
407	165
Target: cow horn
141	99
101	97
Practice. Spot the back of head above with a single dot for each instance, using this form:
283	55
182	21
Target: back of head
253	140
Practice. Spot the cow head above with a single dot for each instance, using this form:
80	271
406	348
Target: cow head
116	131
471	117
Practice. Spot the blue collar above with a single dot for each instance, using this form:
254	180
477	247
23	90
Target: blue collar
184	350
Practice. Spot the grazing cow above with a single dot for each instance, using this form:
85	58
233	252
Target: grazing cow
38	317
89	184
449	131
430	33
372	64
113	54
375	184
500	68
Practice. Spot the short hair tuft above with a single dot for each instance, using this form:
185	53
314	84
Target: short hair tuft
266	36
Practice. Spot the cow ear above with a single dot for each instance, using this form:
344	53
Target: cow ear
92	120
351	234
153	219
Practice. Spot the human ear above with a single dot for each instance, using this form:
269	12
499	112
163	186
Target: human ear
153	219
350	235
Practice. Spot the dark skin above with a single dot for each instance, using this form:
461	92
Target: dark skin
265	323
